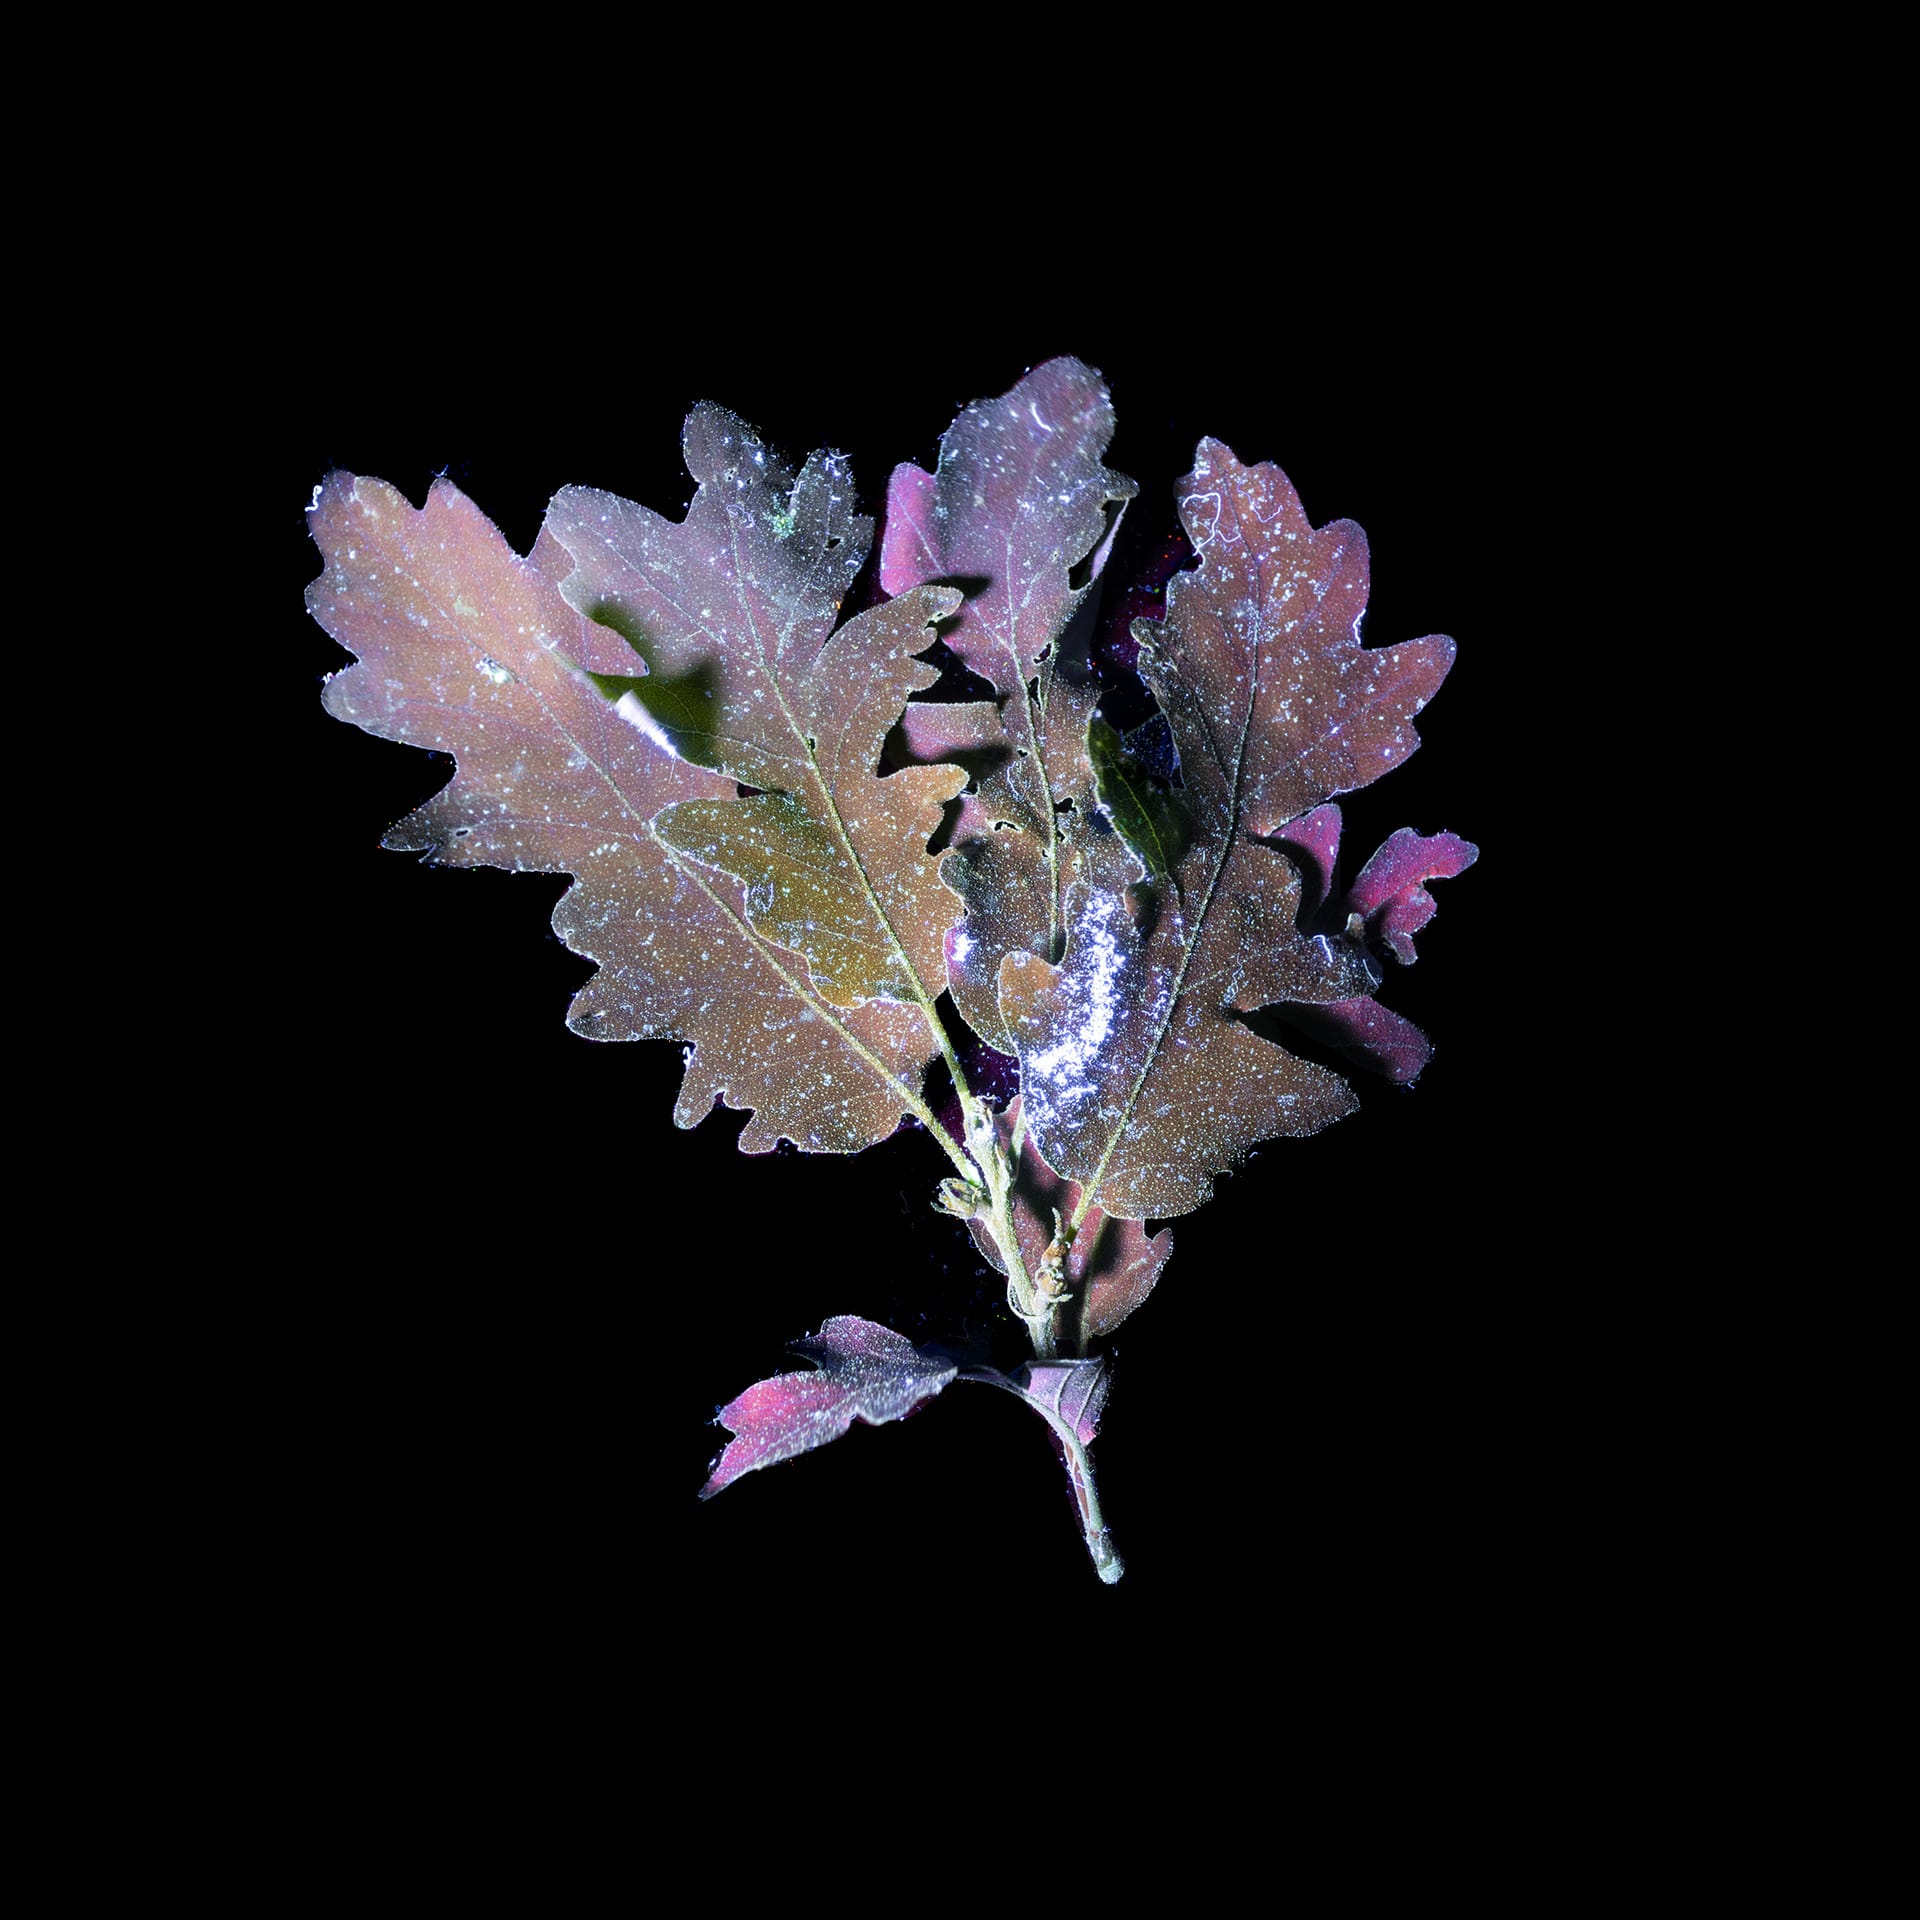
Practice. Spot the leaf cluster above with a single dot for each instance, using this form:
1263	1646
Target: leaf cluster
784	856
855	902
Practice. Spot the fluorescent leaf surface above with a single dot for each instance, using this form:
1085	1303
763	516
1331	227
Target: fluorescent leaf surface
1368	1035
1019	499
1390	893
966	733
1273	613
739	600
466	648
1314	842
749	796
1139	1081
865	1372
1074	1390
1390	900
1112	1264
836	866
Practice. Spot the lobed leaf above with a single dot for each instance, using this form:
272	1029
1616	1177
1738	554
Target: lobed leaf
469	649
1388	903
1141	1081
1019	498
739	599
1018	501
865	1372
1267	634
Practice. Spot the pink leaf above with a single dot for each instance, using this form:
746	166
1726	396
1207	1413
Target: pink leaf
466	648
1390	892
866	1372
962	733
1280	601
1074	1390
1138	1078
1018	499
1017	507
1315	839
1367	1034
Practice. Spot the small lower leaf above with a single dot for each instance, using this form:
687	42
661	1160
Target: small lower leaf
866	1372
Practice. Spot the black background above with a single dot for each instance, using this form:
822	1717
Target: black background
508	1293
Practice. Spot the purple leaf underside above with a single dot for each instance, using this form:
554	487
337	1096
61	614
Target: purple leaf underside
1389	894
1314	842
1389	897
864	1371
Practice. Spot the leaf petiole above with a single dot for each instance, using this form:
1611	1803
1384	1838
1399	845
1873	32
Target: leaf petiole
1079	1465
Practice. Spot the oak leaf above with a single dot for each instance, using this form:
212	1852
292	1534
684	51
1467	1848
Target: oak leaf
739	599
1385	907
1389	894
1074	1392
1140	1078
1021	513
469	649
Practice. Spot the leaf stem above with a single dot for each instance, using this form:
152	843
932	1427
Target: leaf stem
1000	1173
1086	1495
1106	1562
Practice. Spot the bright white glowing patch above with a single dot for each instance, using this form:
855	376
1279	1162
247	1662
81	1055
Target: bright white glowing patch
962	946
630	710
494	671
1090	982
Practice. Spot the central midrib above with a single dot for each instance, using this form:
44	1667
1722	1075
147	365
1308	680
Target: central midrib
914	982
1206	903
